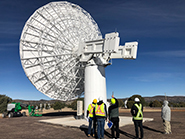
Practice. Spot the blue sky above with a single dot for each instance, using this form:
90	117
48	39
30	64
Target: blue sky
158	26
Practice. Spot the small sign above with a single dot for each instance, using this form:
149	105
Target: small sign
110	124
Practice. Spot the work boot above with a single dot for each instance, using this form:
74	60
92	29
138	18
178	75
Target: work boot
165	133
88	135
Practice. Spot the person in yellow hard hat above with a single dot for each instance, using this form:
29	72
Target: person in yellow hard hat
114	116
100	113
91	118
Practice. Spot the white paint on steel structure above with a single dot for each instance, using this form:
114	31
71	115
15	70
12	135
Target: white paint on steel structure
95	84
60	43
48	40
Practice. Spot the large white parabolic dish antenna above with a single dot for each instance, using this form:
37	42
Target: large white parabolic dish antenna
47	44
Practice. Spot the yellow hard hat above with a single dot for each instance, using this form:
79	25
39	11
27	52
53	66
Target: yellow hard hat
95	101
113	101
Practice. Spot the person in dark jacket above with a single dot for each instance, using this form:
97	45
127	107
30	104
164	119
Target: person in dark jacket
137	113
114	116
100	114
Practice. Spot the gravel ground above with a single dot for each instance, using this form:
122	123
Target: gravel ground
30	128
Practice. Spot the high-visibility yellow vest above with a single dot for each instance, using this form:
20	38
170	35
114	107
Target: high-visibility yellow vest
99	110
139	115
90	109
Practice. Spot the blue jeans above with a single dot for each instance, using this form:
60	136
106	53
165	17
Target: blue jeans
90	125
100	130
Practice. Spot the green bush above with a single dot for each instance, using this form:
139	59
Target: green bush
130	104
74	104
4	100
58	105
121	103
155	103
131	101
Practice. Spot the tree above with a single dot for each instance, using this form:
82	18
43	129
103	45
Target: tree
182	104
155	103
74	103
129	104
131	100
4	100
58	105
121	104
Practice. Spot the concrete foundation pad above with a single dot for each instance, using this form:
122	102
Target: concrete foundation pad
82	123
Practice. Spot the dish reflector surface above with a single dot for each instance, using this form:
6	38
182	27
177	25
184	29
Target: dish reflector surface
47	48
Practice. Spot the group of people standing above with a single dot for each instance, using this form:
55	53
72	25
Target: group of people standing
97	113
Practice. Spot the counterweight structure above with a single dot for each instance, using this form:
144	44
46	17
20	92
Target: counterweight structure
64	55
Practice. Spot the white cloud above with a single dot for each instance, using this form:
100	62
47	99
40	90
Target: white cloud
150	77
158	77
9	27
7	46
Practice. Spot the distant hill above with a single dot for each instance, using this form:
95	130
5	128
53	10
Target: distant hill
38	102
174	99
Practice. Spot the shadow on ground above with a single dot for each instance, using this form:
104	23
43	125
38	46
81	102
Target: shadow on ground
127	134
60	114
107	134
151	129
85	130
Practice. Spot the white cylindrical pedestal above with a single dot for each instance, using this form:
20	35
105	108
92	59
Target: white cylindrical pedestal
95	85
